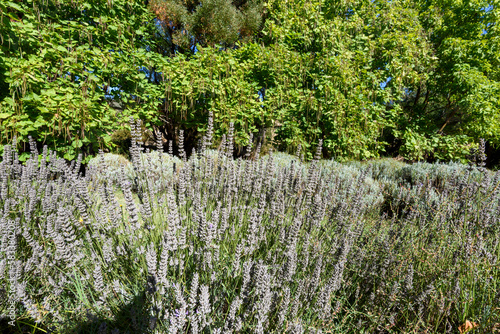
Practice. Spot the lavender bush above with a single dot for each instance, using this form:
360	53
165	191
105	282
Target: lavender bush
109	166
210	244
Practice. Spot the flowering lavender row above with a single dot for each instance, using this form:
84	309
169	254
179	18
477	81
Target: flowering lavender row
210	244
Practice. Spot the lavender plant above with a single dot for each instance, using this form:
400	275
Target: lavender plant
263	244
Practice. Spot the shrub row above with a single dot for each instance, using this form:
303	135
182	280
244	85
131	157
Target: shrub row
270	244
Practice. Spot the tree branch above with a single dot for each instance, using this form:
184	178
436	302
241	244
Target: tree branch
450	116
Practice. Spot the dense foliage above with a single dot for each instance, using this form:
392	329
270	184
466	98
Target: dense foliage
186	24
438	61
59	59
211	244
414	78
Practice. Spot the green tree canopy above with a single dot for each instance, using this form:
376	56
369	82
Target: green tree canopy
416	78
441	59
59	60
186	23
459	96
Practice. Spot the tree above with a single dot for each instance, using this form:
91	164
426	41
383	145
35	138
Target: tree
186	23
440	57
457	103
60	59
417	77
350	47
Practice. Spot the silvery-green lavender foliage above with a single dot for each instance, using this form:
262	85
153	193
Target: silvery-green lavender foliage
381	169
436	174
109	166
420	173
346	174
284	160
214	244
